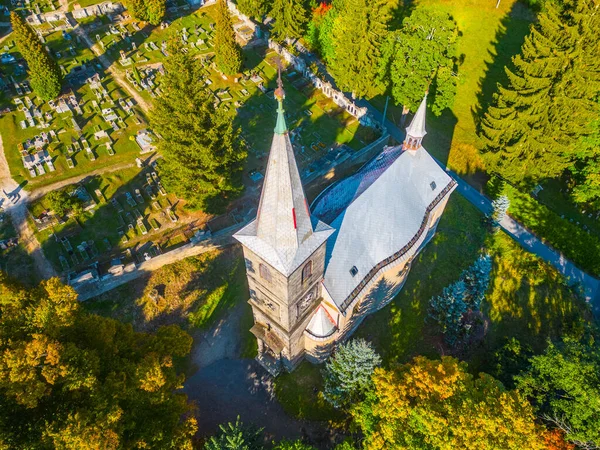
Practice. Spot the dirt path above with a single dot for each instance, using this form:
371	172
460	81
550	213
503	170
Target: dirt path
110	68
14	200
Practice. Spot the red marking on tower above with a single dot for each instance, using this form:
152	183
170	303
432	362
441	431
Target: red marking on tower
294	217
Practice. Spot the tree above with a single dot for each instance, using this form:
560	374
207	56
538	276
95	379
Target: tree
448	310
235	436
320	29
293	445
421	56
152	11
348	372
203	158
500	207
359	30
228	51
290	18
477	280
564	385
586	167
254	9
74	380
438	405
44	74
60	202
529	131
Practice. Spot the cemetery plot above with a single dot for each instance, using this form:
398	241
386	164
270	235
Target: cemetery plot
121	210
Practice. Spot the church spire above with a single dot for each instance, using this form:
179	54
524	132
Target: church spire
416	130
283	233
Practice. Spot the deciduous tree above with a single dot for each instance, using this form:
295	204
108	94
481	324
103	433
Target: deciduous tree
438	405
254	9
227	50
421	56
203	158
530	130
564	385
44	74
348	373
72	380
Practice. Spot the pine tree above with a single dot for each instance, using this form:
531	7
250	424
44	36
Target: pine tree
586	167
290	18
499	209
477	280
203	159
358	33
255	9
228	51
348	372
44	74
529	131
420	57
235	436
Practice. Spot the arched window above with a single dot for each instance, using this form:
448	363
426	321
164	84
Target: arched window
307	271
265	273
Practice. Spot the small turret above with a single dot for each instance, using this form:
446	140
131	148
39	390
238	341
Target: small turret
416	130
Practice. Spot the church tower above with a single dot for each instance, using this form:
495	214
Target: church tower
416	130
284	252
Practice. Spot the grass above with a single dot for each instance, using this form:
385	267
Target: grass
527	300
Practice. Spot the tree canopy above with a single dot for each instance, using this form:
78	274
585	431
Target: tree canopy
564	386
44	74
227	50
530	130
358	32
152	11
254	9
290	18
438	405
203	158
422	56
73	380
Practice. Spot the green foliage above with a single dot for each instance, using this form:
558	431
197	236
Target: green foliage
235	436
60	202
254	9
203	158
422	54
530	130
510	360
290	18
228	51
359	29
466	294
564	385
72	380
319	34
44	74
586	168
438	405
348	373
293	445
152	11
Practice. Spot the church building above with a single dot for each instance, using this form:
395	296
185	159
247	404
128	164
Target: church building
315	273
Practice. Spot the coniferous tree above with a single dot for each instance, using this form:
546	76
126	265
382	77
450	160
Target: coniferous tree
477	280
420	57
44	73
530	130
203	159
348	372
255	9
235	436
228	51
290	18
448	310
358	33
499	209
586	168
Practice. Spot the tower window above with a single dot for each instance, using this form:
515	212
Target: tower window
265	273
353	271
433	185
307	271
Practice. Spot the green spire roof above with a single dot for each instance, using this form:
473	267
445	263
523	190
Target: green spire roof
281	127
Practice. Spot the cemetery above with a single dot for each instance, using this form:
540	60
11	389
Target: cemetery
123	214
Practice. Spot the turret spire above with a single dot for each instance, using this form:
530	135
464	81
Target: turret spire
280	127
416	130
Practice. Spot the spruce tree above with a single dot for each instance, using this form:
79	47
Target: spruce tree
358	33
228	51
254	9
448	310
290	18
477	280
586	167
348	373
44	74
530	130
203	159
420	57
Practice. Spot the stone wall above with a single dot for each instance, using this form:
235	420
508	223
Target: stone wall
79	13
